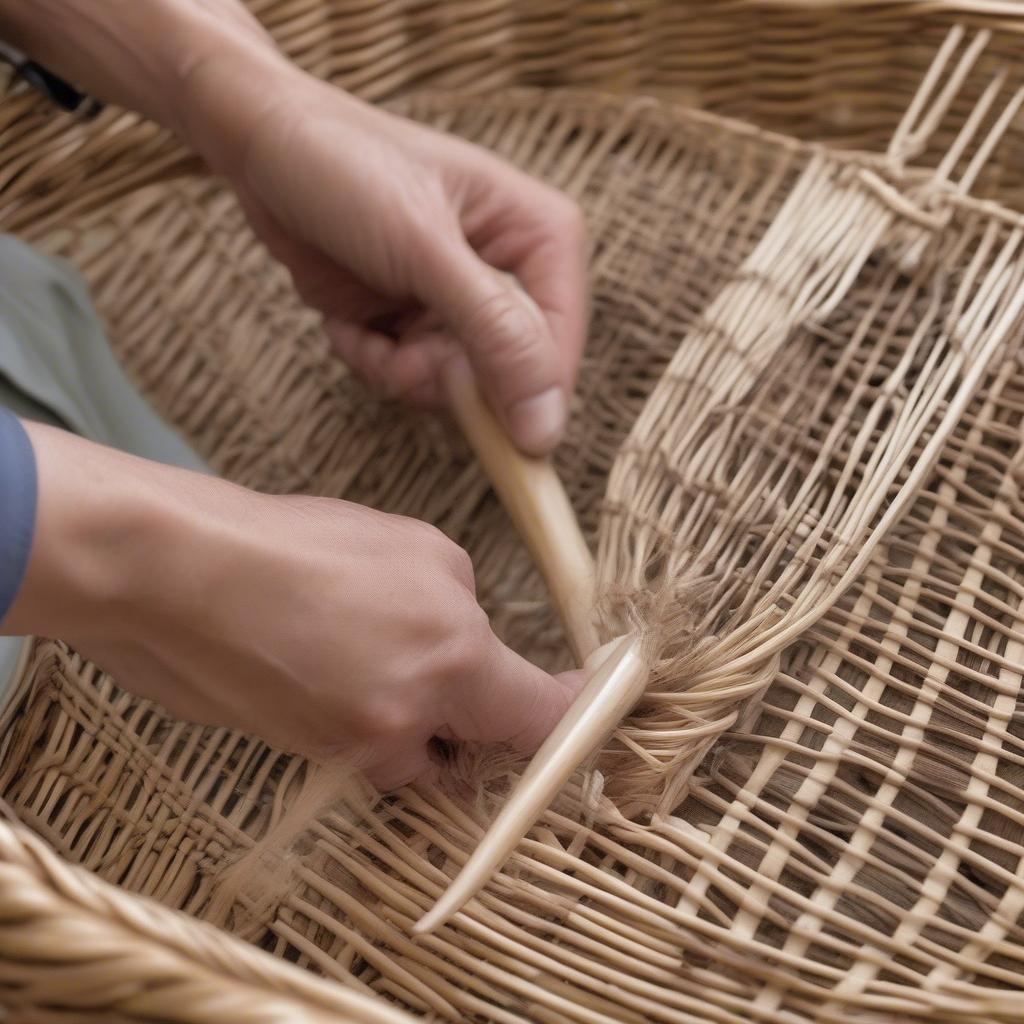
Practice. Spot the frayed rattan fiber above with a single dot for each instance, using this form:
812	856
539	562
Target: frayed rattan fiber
796	448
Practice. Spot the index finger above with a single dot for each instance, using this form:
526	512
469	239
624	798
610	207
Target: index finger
510	700
542	242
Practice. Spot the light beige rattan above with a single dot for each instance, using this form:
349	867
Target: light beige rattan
797	449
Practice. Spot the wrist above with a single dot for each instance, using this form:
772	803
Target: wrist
240	104
139	55
225	85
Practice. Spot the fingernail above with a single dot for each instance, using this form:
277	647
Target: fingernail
537	423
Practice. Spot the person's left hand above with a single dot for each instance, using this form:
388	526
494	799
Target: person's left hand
394	230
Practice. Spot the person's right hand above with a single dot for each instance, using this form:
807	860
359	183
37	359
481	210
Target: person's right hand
322	626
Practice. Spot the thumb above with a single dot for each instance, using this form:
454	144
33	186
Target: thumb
511	701
407	762
509	344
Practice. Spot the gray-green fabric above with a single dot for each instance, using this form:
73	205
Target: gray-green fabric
57	367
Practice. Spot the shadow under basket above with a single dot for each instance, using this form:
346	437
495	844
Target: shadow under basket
798	423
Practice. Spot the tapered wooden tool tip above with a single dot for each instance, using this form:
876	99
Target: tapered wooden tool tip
607	697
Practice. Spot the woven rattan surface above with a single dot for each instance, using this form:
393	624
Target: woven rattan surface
814	69
799	420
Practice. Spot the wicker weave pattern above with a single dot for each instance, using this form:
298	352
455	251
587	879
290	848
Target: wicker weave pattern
841	72
802	405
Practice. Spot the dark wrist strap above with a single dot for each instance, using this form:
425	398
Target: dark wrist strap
55	89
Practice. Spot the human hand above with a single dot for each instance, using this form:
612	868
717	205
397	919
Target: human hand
390	229
397	232
325	627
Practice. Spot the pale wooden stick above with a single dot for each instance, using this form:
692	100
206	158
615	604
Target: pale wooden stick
611	692
537	503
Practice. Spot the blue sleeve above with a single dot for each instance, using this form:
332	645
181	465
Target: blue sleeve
17	506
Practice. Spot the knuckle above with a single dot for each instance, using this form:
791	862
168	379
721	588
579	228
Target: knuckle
461	565
395	718
503	328
568	219
444	550
463	650
386	717
423	535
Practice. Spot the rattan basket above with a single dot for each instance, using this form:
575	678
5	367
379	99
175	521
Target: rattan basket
799	420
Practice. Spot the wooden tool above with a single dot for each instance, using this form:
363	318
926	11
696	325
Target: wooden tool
530	490
537	503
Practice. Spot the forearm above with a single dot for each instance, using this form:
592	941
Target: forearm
188	64
107	528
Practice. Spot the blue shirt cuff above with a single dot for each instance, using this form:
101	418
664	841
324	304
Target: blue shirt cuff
18	493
